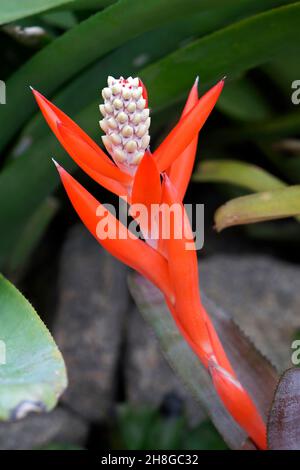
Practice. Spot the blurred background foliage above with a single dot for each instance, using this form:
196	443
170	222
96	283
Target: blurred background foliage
251	143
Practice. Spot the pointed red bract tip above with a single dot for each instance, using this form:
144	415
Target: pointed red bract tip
181	169
187	128
84	151
56	164
146	185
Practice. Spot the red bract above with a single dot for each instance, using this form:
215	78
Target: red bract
135	174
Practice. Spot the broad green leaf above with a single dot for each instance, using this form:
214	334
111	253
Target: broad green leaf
15	9
90	4
230	51
32	372
259	207
126	19
238	173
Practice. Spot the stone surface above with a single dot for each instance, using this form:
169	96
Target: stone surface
93	299
262	295
149	380
36	430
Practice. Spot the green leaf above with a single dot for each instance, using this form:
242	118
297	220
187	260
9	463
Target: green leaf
33	375
238	173
90	4
16	9
94	37
230	51
277	204
126	19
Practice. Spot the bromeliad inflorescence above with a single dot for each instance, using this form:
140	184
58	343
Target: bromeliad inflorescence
149	178
125	121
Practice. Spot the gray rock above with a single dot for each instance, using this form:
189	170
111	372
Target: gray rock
149	379
36	430
93	298
262	295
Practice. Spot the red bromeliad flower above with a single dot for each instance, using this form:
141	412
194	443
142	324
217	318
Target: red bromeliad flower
135	174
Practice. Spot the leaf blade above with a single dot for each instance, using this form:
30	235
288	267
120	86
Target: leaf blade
259	207
33	375
236	172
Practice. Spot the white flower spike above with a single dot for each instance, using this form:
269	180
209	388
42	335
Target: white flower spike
125	121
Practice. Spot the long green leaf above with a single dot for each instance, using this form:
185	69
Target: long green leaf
16	9
122	21
259	207
238	173
32	371
230	51
94	37
13	10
